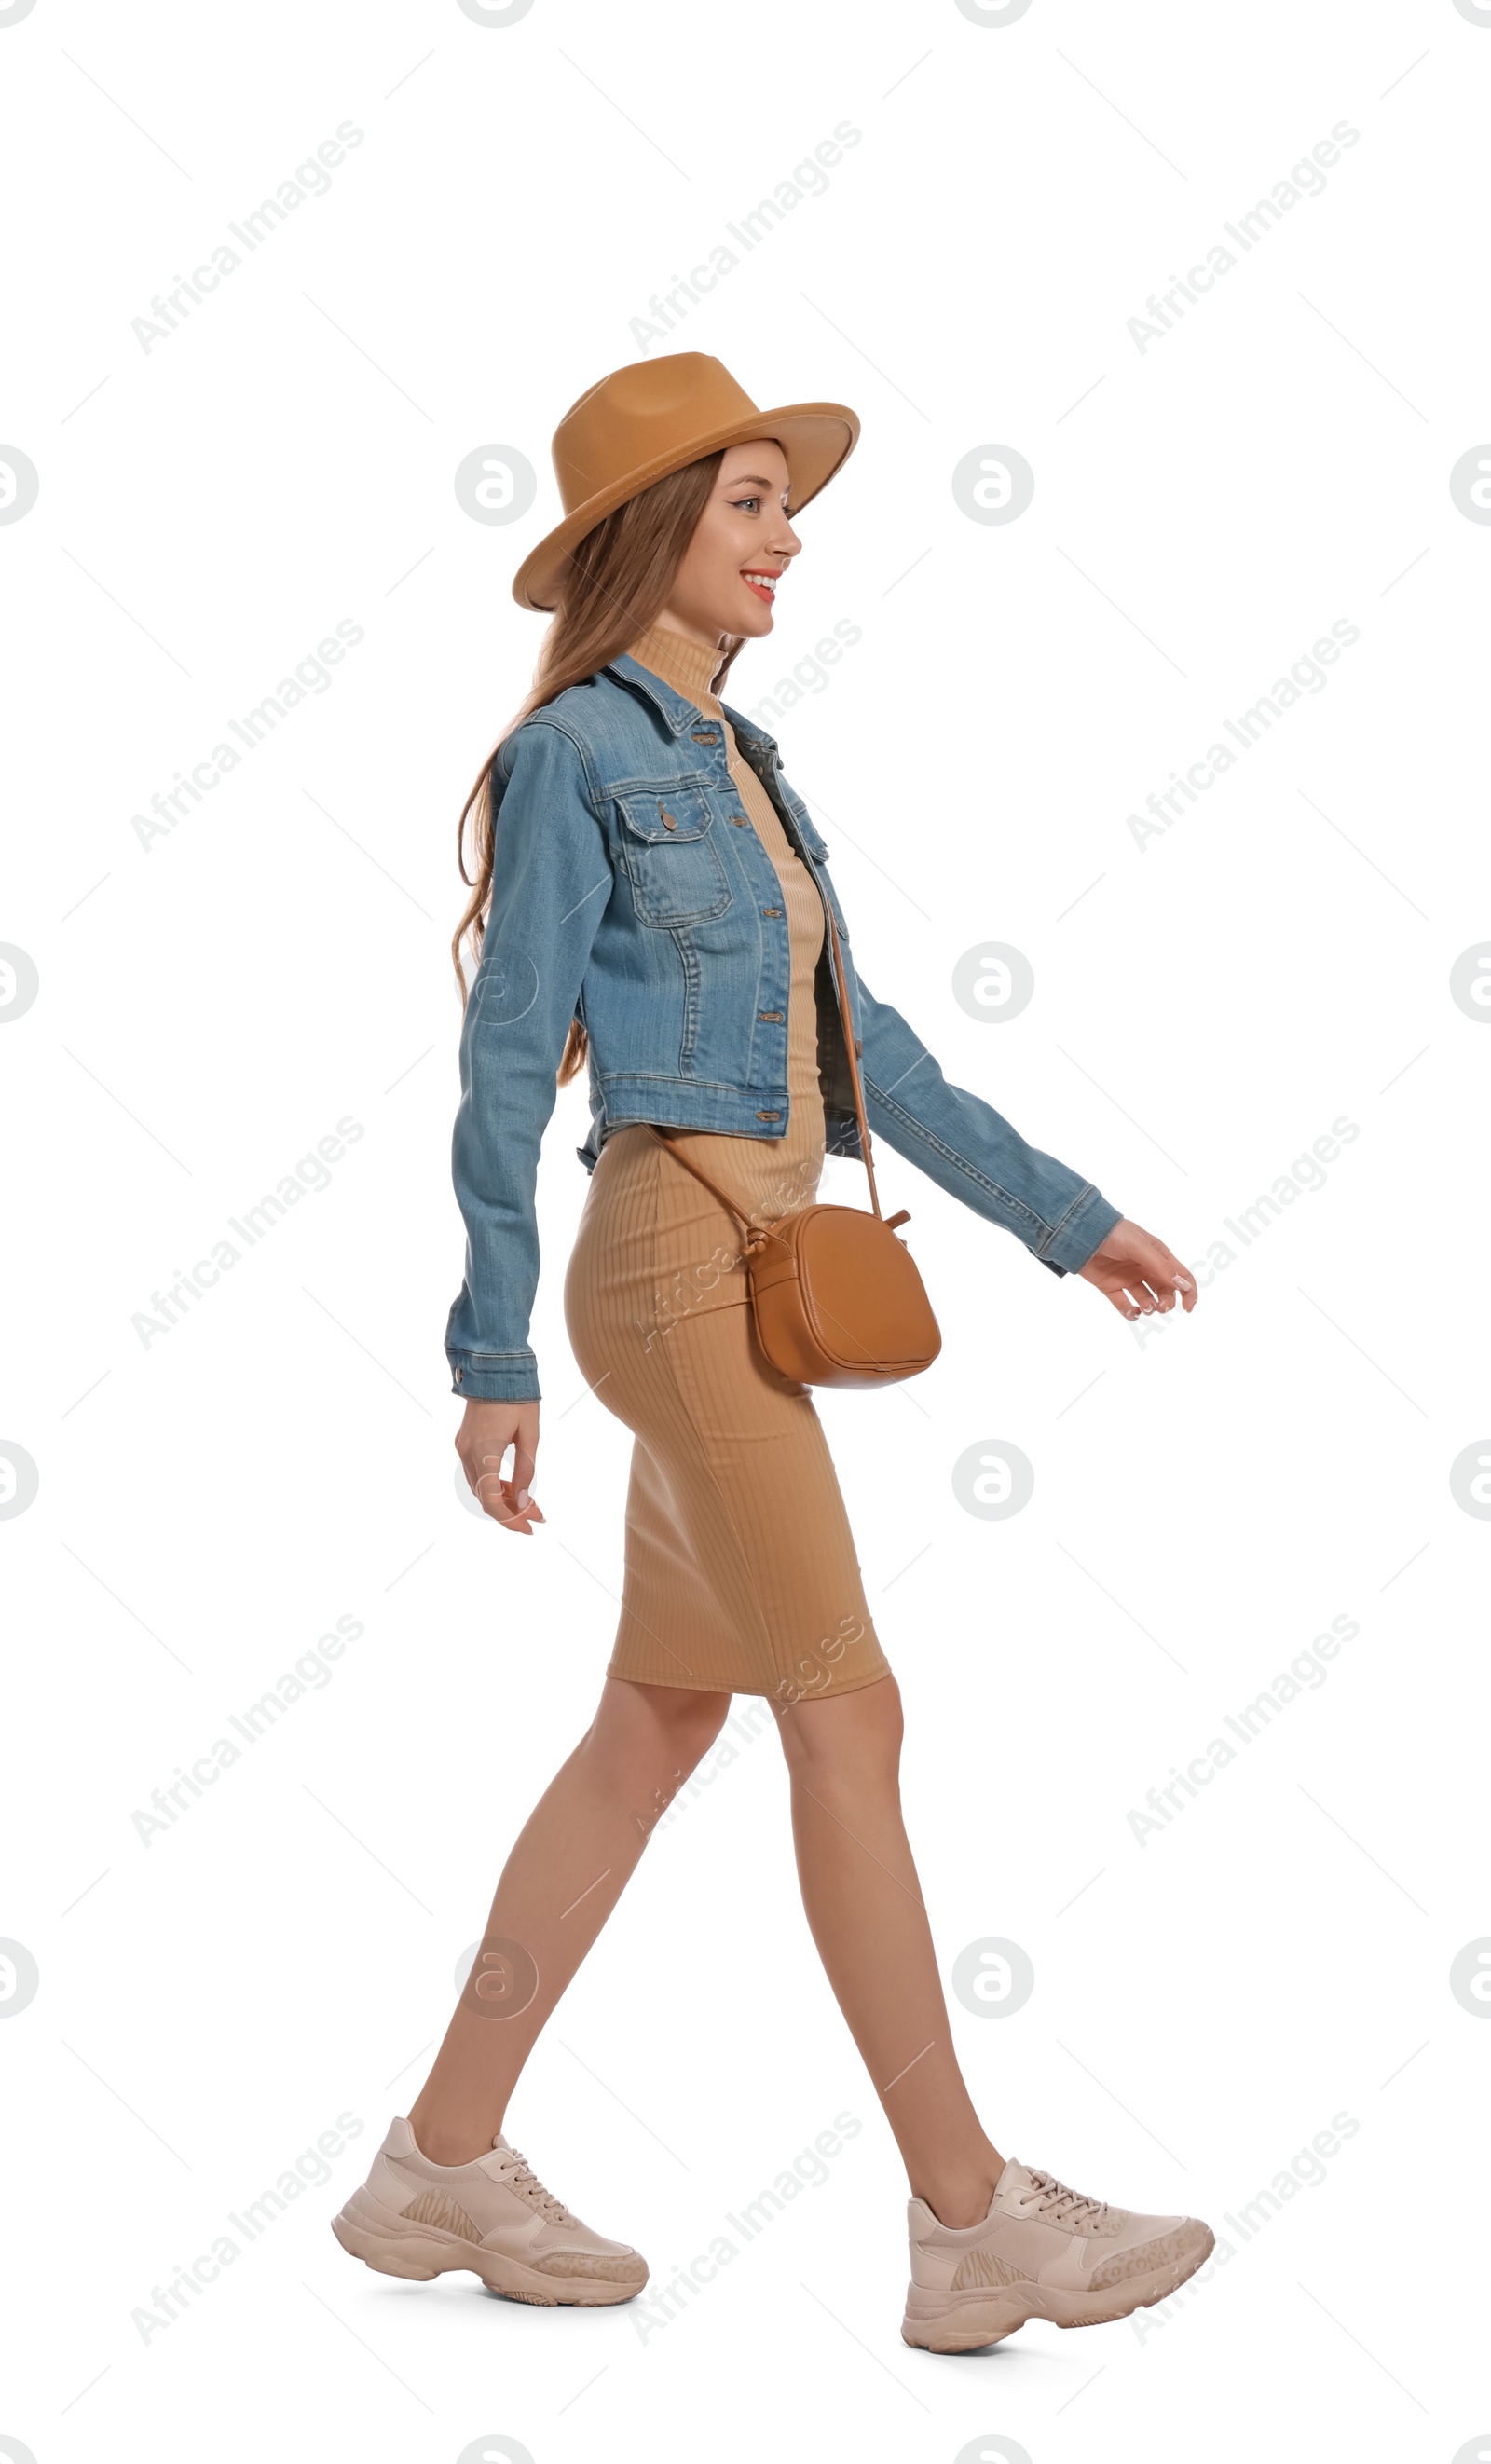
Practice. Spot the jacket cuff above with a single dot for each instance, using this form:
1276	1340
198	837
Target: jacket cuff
494	1376
1082	1229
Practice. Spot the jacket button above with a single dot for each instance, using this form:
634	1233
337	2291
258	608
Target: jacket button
669	822
739	821
768	1116
771	910
769	1013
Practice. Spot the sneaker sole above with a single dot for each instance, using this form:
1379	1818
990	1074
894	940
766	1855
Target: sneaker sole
962	2323
420	2255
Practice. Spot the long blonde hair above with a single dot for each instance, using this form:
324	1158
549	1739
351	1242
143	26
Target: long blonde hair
618	580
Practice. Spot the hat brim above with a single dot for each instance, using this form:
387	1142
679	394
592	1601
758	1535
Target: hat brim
817	438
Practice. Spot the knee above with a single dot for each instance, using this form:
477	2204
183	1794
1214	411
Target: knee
689	1728
665	1729
854	1743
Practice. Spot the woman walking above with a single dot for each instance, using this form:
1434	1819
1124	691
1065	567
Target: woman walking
652	899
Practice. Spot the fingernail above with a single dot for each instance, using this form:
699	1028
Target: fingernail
522	1500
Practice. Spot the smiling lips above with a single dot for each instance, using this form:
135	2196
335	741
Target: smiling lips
764	586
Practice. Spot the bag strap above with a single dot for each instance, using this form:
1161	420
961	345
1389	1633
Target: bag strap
759	1233
853	1042
762	1233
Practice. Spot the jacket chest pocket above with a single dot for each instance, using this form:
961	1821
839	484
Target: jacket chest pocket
676	871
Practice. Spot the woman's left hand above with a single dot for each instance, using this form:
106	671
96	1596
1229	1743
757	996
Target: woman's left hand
1138	1273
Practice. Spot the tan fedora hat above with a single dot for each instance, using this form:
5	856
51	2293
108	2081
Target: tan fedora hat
652	417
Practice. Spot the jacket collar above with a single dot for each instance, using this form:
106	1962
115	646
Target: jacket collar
677	710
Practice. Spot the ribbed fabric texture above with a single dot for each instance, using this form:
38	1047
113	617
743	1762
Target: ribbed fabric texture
740	1569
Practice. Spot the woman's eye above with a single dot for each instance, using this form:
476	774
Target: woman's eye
741	502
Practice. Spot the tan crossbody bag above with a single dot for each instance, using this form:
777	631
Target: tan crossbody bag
835	1293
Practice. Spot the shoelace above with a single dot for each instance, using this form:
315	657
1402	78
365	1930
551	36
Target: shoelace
519	2176
1051	2196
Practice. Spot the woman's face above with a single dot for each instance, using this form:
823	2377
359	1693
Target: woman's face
742	542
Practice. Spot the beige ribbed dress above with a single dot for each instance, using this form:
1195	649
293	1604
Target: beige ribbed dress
740	1569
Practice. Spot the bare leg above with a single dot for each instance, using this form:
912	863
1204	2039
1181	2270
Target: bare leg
566	1873
865	1908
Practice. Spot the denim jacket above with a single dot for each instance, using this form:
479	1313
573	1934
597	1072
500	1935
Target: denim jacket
631	892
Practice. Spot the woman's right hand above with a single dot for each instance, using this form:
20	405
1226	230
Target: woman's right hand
486	1432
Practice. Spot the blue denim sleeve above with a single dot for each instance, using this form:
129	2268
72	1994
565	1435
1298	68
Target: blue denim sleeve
969	1150
552	881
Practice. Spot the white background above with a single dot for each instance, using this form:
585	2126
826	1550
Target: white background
1207	1497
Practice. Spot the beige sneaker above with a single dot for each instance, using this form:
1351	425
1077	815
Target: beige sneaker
1041	2252
492	2216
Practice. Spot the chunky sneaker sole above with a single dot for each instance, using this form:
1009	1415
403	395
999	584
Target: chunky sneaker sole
491	2218
1041	2252
961	2322
396	2247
